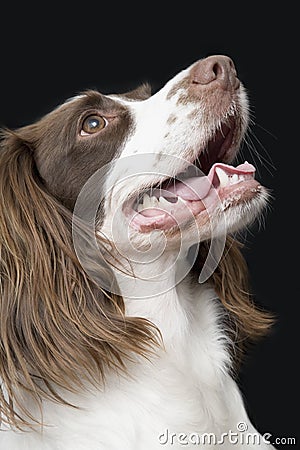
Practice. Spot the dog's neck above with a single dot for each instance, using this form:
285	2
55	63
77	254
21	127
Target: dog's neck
158	291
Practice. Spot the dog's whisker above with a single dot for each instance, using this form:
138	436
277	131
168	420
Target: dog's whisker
256	154
267	159
265	130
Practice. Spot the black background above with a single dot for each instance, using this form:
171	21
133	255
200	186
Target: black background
48	56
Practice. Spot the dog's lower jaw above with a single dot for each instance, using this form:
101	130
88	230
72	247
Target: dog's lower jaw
225	217
234	214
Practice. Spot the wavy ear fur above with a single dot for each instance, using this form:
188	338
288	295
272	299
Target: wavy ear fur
56	326
246	320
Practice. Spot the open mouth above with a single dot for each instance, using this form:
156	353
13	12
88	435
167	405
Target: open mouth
205	184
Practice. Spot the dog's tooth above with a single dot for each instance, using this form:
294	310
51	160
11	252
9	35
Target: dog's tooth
146	201
223	177
140	207
149	202
163	203
234	178
153	201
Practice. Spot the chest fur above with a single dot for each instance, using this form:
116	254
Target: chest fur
184	387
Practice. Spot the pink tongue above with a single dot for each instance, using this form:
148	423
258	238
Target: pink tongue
198	187
191	189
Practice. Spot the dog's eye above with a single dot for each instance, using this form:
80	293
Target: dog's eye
92	124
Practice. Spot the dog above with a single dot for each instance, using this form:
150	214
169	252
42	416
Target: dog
124	299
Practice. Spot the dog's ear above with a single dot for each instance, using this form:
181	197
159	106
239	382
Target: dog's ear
57	327
246	320
142	92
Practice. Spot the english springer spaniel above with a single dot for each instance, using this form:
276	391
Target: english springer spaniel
124	305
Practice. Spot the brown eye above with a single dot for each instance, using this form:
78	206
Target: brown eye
92	124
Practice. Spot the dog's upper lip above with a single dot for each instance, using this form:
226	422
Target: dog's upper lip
197	187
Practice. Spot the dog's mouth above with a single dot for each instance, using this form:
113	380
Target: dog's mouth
205	184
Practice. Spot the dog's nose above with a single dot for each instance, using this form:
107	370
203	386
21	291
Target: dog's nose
217	69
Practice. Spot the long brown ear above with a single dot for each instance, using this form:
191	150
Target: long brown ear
247	320
57	328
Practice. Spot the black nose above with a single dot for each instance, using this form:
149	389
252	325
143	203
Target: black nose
216	69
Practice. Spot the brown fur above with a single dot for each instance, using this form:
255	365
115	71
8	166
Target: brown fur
247	321
57	327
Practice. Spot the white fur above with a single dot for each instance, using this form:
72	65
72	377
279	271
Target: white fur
185	388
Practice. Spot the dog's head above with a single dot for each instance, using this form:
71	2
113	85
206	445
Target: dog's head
172	173
145	164
163	161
